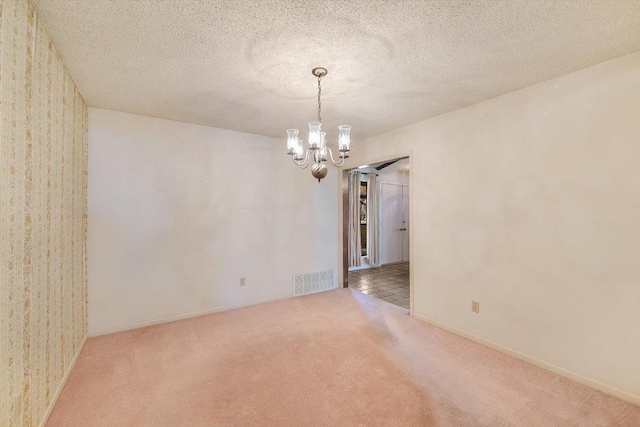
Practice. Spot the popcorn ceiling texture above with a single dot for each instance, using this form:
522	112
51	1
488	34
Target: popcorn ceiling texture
246	65
43	184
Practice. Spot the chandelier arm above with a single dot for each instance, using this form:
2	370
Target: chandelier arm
305	163
338	163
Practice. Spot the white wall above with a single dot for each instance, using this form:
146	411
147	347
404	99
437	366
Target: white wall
530	204
179	212
394	177
397	173
392	174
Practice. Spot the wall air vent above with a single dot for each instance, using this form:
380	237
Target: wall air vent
310	283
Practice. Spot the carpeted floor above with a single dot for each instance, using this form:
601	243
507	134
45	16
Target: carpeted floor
337	358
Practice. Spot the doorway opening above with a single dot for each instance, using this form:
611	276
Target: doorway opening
377	219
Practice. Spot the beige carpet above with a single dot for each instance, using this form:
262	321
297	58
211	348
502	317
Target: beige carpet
337	358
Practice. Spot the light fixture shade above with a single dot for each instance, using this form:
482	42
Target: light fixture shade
292	140
298	151
315	135
344	138
322	153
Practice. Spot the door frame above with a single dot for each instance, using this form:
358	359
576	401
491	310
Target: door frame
343	213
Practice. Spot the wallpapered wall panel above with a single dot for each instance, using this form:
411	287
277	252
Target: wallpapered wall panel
43	221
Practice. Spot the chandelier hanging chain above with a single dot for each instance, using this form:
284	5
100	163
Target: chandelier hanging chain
319	100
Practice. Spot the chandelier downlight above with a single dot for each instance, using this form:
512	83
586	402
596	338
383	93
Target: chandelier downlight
317	151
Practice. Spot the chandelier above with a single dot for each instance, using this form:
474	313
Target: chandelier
317	151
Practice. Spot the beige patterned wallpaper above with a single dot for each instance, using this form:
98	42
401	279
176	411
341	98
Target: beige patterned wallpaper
43	222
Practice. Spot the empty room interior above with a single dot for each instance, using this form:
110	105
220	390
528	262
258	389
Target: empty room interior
319	213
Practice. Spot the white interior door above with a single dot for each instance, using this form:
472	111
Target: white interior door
391	233
405	223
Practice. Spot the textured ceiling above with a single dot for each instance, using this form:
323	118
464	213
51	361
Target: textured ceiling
245	64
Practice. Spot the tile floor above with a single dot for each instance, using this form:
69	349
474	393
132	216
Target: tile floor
389	283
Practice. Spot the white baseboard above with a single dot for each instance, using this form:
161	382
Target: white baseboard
63	382
613	391
131	326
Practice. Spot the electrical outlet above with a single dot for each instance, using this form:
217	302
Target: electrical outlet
475	306
242	281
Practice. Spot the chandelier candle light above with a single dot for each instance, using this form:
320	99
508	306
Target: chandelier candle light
317	151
